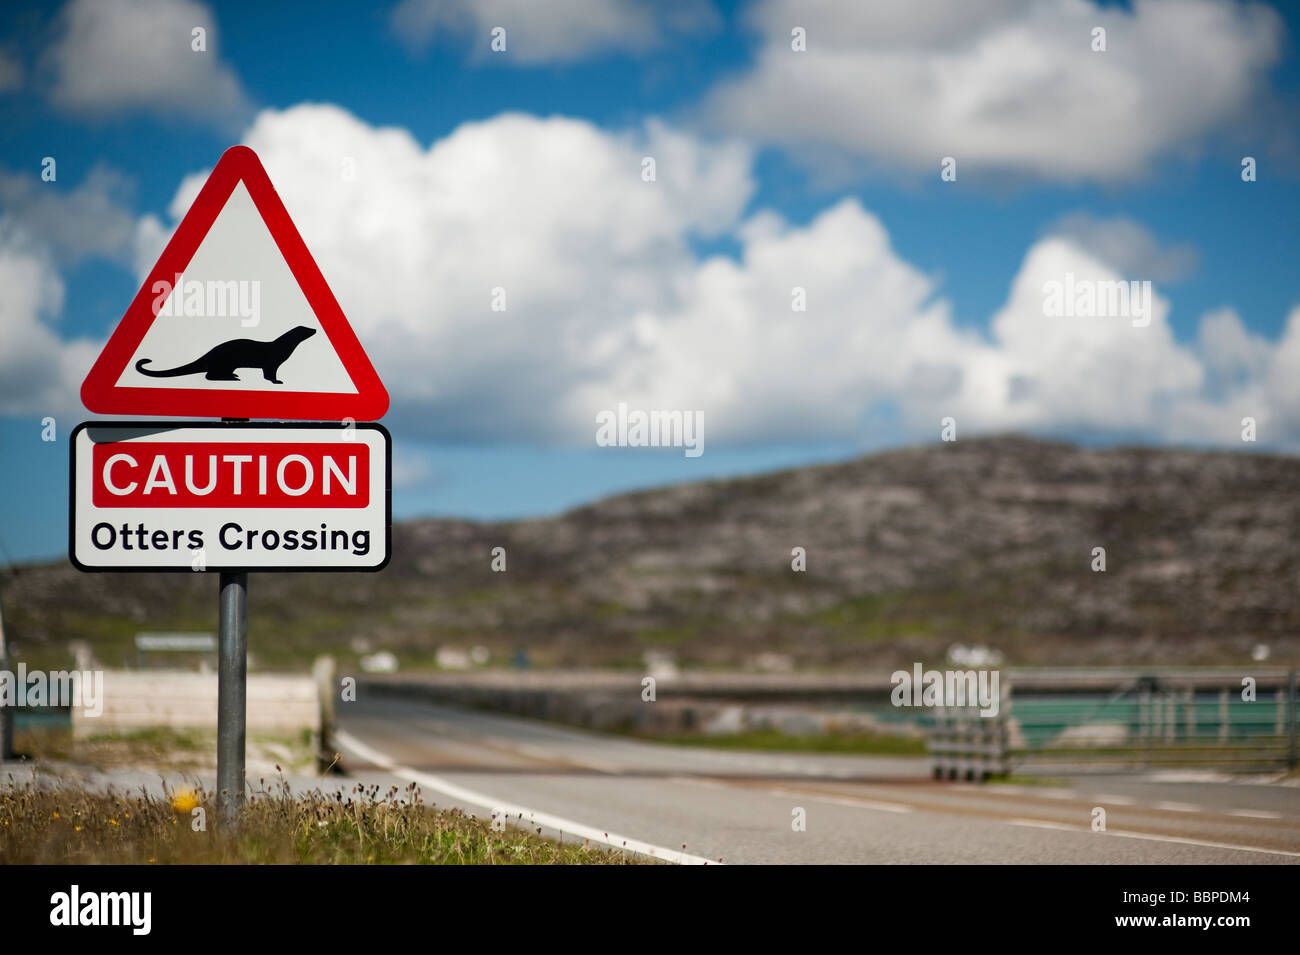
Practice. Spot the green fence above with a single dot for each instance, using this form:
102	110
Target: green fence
1174	719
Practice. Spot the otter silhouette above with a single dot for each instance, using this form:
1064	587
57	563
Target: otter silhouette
220	362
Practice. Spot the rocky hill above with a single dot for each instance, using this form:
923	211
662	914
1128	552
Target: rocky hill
986	542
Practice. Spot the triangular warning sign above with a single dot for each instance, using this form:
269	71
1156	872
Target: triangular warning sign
235	320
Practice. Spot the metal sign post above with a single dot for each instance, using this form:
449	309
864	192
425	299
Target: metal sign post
232	691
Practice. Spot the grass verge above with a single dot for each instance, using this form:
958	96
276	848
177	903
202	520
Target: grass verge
191	750
362	827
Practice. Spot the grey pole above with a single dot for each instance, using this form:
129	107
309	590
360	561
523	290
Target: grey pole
232	689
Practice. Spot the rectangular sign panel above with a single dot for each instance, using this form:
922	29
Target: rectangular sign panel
213	496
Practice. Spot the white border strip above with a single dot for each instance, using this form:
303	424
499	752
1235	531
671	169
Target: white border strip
567	826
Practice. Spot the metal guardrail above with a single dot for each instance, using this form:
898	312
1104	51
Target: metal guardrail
1152	720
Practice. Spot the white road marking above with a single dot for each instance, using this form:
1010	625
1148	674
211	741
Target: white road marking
534	752
1190	776
1178	807
551	756
1255	814
840	800
492	804
1177	840
866	804
696	781
1201	842
1041	824
1115	800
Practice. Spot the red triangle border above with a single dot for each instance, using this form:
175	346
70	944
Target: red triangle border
99	392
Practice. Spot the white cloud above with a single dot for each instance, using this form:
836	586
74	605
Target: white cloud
559	31
1095	373
122	55
1280	400
1010	88
1127	246
732	346
90	220
873	334
607	303
1232	353
554	211
40	373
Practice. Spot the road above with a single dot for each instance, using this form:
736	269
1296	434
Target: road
697	805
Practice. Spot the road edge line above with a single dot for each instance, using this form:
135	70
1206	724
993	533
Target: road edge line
559	823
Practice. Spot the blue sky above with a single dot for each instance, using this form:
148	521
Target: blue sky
1142	180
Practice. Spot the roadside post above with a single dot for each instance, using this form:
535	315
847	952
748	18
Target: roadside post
307	488
232	692
7	714
325	674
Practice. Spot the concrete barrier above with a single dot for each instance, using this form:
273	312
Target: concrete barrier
965	745
143	699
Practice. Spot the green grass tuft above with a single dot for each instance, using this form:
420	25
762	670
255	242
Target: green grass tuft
361	827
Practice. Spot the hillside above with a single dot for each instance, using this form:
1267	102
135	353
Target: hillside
981	541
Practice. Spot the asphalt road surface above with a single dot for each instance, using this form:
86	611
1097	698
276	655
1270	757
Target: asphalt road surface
695	805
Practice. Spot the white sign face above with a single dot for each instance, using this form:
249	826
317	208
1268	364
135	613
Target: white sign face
153	496
238	289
